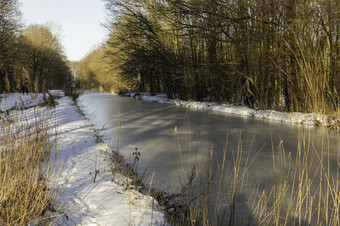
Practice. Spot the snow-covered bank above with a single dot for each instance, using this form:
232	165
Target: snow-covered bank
102	202
90	193
294	117
19	101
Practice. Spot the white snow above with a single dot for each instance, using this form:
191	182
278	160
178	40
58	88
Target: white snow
107	201
18	101
293	117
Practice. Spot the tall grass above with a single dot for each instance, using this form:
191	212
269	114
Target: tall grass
214	196
304	188
26	168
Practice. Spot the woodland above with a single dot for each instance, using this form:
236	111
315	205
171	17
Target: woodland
275	54
30	56
265	54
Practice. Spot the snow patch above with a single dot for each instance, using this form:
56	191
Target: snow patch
89	191
294	117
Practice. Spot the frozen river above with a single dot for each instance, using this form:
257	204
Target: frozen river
172	139
151	128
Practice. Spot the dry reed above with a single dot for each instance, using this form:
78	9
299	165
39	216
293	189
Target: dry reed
304	189
26	168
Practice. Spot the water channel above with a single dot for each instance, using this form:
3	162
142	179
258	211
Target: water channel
172	140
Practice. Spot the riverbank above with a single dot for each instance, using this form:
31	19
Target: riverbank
88	192
255	165
292	117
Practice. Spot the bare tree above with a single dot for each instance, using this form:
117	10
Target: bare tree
267	54
9	30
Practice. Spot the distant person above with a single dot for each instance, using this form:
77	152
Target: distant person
24	90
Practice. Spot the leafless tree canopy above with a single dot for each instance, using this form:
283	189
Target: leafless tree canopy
30	56
273	53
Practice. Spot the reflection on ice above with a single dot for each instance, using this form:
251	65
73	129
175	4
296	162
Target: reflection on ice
172	140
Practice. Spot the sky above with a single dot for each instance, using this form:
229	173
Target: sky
79	22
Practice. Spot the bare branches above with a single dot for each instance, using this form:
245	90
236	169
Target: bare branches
266	54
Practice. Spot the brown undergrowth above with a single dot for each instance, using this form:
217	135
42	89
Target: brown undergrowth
28	149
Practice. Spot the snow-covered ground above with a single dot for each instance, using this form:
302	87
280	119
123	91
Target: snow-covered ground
18	101
90	194
294	117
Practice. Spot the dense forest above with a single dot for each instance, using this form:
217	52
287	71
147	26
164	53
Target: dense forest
30	56
275	54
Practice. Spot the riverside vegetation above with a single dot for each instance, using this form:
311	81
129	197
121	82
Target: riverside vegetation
302	190
281	55
31	56
267	54
28	150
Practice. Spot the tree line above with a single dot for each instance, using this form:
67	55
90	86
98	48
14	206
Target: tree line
31	56
96	72
275	54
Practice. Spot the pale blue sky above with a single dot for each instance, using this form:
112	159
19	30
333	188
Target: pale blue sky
79	20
